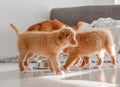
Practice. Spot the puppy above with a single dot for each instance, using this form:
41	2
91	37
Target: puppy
47	44
91	42
47	25
51	25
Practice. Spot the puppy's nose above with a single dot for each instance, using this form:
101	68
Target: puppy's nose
74	42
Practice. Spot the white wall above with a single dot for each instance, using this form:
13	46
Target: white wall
24	13
103	2
117	1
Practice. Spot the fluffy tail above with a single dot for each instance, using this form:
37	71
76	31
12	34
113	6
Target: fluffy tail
15	28
78	26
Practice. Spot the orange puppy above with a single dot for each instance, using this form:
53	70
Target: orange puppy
91	42
47	44
51	25
48	26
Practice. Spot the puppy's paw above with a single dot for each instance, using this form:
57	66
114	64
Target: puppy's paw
52	71
84	67
97	66
60	73
28	68
113	66
65	68
62	68
22	71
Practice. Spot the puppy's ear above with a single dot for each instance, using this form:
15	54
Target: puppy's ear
63	34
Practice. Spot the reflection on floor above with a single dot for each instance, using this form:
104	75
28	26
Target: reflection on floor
108	75
105	77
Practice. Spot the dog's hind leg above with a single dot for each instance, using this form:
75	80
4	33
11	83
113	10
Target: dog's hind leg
100	57
85	62
111	52
27	67
21	60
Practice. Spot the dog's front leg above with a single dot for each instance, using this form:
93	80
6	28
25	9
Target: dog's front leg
54	61
50	66
70	61
77	61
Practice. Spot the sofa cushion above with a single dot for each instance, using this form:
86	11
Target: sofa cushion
72	15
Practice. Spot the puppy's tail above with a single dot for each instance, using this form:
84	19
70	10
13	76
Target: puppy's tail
15	28
78	26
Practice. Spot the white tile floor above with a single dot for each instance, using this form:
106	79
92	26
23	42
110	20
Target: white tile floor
105	77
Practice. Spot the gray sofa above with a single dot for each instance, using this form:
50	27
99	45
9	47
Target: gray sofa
72	15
